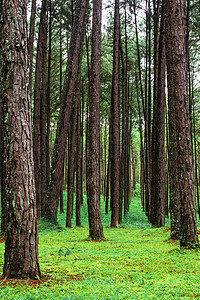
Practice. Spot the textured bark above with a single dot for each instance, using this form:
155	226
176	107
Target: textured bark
123	126
43	121
158	159
107	192
127	130
79	190
179	115
39	101
71	165
2	155
115	129
93	159
31	42
21	245
48	109
67	102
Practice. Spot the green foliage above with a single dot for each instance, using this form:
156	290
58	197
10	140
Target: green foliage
135	261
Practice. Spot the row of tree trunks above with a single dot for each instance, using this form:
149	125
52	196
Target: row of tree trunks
65	112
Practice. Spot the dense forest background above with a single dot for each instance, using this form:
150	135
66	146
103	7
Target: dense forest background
115	112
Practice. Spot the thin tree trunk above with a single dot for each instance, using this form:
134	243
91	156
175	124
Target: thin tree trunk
71	167
108	172
2	157
43	120
195	153
48	110
123	145
141	150
38	97
31	43
115	130
79	191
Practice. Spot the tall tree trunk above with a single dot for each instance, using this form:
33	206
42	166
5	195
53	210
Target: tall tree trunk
48	110
21	245
43	120
79	190
145	114
2	153
141	149
93	160
67	102
123	144
108	171
181	142
195	151
39	99
31	42
158	159
127	129
71	164
115	129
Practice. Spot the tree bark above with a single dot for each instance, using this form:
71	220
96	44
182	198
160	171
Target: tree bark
158	159
115	128
181	142
93	159
21	245
79	190
39	101
71	165
31	42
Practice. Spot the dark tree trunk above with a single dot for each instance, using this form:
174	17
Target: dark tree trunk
79	190
127	129
67	102
21	245
31	42
48	110
93	159
158	159
107	192
71	165
195	152
166	164
115	128
141	149
123	144
43	120
60	92
181	142
2	155
39	101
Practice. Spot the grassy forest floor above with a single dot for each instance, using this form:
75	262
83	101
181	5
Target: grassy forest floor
135	261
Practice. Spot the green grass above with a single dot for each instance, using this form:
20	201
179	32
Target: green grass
135	261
